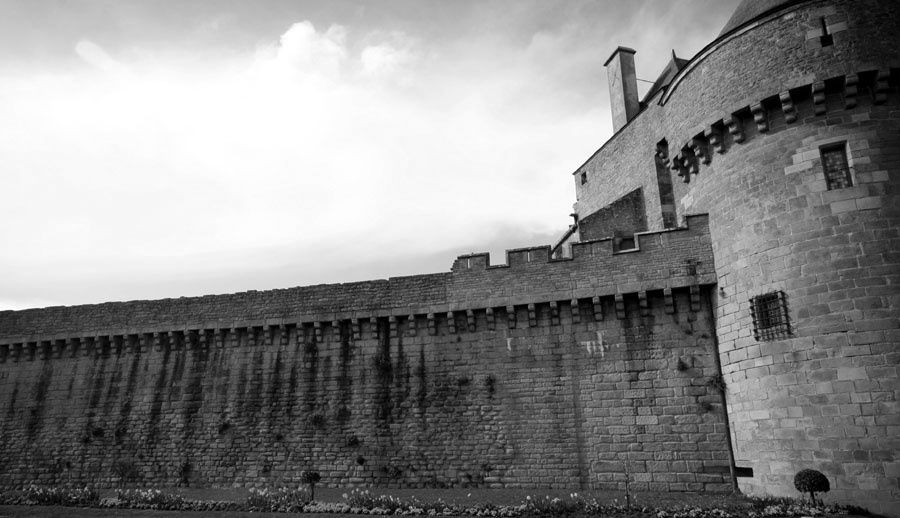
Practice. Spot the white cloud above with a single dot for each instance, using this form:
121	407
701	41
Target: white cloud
95	56
164	180
305	52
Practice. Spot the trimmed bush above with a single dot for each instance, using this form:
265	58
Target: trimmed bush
812	482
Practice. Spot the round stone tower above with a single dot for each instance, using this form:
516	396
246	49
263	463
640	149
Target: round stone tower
786	131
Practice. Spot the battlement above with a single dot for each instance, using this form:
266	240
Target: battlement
675	258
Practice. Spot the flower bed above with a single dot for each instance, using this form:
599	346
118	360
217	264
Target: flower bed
365	502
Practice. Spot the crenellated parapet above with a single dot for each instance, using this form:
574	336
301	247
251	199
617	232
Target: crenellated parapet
746	121
475	296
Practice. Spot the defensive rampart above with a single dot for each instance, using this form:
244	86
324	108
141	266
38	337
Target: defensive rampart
533	374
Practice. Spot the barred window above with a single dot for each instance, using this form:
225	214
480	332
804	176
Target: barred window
836	167
770	316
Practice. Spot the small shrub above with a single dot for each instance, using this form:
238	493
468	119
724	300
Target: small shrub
811	481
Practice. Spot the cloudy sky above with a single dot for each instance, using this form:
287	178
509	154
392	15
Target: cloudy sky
156	149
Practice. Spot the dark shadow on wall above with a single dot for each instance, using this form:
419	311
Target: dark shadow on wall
624	216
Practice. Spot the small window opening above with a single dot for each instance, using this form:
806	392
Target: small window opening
826	39
770	317
583	178
836	166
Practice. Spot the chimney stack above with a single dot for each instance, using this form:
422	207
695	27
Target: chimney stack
623	94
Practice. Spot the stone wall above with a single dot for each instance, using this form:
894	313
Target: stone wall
553	404
533	374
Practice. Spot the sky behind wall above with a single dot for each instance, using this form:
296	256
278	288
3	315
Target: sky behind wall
162	149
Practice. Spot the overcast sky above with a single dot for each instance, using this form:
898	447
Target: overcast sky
164	148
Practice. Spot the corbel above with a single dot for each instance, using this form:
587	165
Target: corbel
317	331
554	313
491	320
598	309
576	312
451	322
760	117
373	325
662	153
42	347
735	128
701	150
677	166
432	324
220	335
695	298
818	95
392	324
127	341
56	349
532	315
691	163
787	106
851	89
620	306
411	326
470	320
669	301
511	317
643	304
157	341
355	329
714	137
98	346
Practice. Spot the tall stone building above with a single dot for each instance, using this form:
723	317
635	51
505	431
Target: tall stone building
724	311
